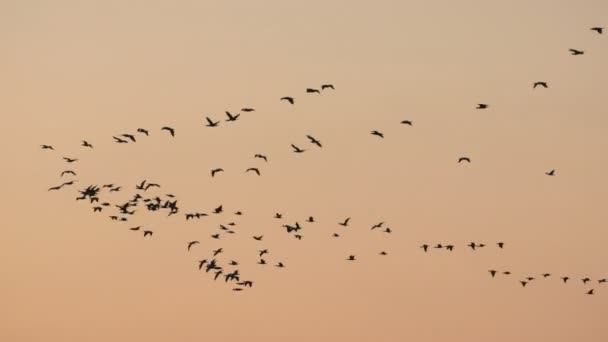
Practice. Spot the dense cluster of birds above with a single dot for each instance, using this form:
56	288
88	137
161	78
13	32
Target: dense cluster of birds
146	197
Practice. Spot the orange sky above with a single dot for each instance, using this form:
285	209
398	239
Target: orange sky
74	70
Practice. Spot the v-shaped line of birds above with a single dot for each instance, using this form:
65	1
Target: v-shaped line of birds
230	273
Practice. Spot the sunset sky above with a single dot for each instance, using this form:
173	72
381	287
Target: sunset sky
90	70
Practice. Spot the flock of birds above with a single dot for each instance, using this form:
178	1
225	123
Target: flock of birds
146	197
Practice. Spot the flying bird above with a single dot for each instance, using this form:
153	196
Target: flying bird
376	133
296	149
326	86
211	123
312	90
254	169
482	106
314	141
247	110
540	84
576	52
148	232
261	156
192	243
70	160
119	140
169	129
425	247
68	172
217	251
47	147
500	244
345	223
599	30
258	238
590	292
351	258
461	159
232	117
218	210
288	99
130	137
406	122
144	131
550	173
214	171
86	144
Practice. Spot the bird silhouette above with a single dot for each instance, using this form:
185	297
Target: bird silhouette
383	253
351	258
500	244
327	86
599	30
523	283
70	160
135	228
576	52
258	238
262	252
288	99
296	149
310	219
590	292
376	133
425	247
201	263
407	122
461	159
492	272
312	90
345	223
192	243
68	172
55	188
540	84
130	137
218	210
215	236
214	171
253	169
148	232
144	131
47	147
217	251
119	140
482	106
232	117
169	129
314	141
261	156
585	280
86	144
246	110
278	216
211	123
280	265
565	279
550	173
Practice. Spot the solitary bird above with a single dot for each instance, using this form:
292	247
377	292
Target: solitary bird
296	149
144	131
211	123
314	141
217	251
312	90
119	140
482	105
214	171
66	172
130	137
590	292
550	173
232	117
258	238
576	52
192	243
327	86
246	110
345	223
599	30
169	129
425	247
280	265
288	99
461	159
254	169
492	272
47	147
148	232
565	279
407	122
540	84
261	156
86	144
376	133
70	160
500	244
218	210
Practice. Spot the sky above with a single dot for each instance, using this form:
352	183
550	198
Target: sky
90	70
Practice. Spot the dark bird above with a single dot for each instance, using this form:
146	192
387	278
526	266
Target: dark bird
262	252
217	274
217	251
288	99
345	223
576	52
377	134
492	272
590	292
258	238
144	131
211	123
336	235
425	247
603	280
47	147
232	117
472	245
148	232
482	106
500	244
280	265
68	172
278	216
540	84
68	183
70	160
215	236
298	236
261	156
192	243
550	173
377	225
246	110
55	188
238	213
201	263
296	149
388	230
546	275
214	171
310	219
169	129
406	122
245	283
314	141
311	90
351	258
135	228
254	169
461	159
599	30
383	253
523	283
585	280
262	262
233	263
565	279
150	185
326	86
120	141
218	210
130	137
449	247
86	144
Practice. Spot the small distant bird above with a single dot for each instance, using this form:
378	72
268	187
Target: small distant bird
540	84
261	156
86	144
233	263
314	141
345	223
565	279
461	159
288	99
551	173
603	280
312	90
258	238
546	275
217	251
576	52
55	188
407	122
500	244
482	106
254	169
120	141
68	172
169	129
310	219
262	262
192	243
246	110
135	228
425	247
238	213
218	210
351	258
585	280
278	216
232	117
144	131
599	30
336	235
47	147
70	160
326	86
376	133
148	232
296	149
298	236
215	236
262	252
280	265
492	272
130	137
383	253
523	283
377	225
590	292
449	247
211	123
214	171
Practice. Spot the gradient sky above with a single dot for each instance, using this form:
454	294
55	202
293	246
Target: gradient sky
73	70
